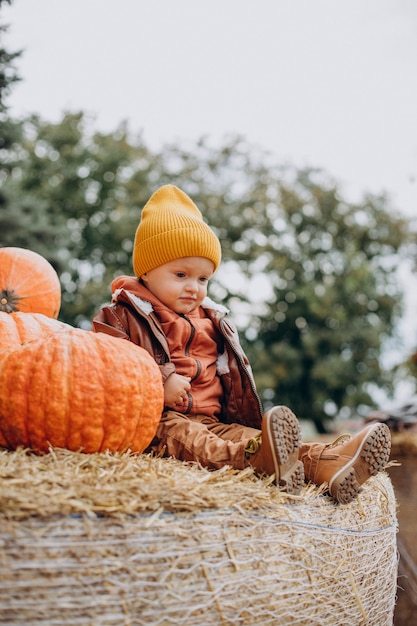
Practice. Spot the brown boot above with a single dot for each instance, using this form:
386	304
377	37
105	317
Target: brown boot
348	462
278	450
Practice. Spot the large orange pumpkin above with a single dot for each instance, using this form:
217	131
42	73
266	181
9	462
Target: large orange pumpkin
79	390
18	328
28	283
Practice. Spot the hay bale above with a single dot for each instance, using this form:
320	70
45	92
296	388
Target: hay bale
121	539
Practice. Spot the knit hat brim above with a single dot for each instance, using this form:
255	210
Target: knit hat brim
172	227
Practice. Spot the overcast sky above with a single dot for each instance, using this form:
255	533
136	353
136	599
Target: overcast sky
325	83
322	83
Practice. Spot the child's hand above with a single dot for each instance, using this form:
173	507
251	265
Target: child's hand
175	390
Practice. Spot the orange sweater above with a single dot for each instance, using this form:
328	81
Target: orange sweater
194	345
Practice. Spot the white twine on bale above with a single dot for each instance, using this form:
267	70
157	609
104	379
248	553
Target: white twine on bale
121	539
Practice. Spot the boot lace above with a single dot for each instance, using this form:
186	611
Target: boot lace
340	440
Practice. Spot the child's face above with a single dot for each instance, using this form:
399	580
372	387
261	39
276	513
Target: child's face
181	284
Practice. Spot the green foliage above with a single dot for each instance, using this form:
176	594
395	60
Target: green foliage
335	297
309	277
8	75
74	197
10	130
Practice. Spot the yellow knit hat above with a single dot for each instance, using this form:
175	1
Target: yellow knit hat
172	227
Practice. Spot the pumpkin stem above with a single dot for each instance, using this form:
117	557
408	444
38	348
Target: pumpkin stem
9	301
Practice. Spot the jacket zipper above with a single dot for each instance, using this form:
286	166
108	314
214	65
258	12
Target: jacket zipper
187	353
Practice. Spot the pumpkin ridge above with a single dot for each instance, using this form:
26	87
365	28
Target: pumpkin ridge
35	418
87	417
151	391
13	399
126	403
56	414
17	328
10	333
3	439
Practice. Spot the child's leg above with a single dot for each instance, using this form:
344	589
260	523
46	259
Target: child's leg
273	450
202	439
348	462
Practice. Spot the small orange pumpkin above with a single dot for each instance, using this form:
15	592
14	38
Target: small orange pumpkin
18	328
79	390
28	283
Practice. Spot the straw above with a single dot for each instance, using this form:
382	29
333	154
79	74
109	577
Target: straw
117	539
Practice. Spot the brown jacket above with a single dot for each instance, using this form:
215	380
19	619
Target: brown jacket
133	318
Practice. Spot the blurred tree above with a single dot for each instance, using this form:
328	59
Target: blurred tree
8	77
309	277
74	196
333	268
10	130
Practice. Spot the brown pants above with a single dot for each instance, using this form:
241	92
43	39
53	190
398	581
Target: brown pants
203	439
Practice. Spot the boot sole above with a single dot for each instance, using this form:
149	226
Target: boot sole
285	438
371	457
